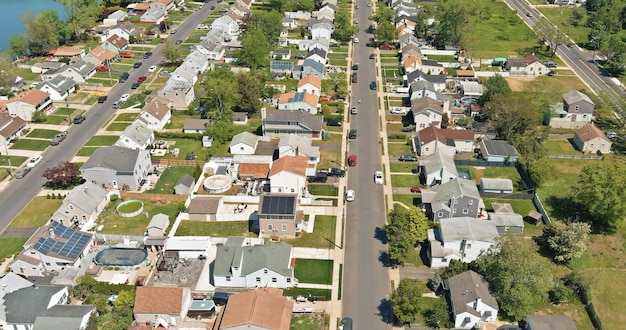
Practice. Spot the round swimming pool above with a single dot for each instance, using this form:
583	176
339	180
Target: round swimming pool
121	257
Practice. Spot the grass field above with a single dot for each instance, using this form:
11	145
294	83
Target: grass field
305	292
115	224
323	190
11	245
29	144
322	237
497	172
561	147
86	151
169	177
129	117
56	120
43	133
117	126
36	213
217	229
315	271
405	180
16	161
408	200
403	167
561	14
398	149
189	145
102	140
309	321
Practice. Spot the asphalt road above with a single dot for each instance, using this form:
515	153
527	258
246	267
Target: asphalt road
366	285
20	192
578	60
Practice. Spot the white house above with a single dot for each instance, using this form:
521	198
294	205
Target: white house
186	73
82	206
117	167
294	145
226	24
422	88
310	84
180	93
472	300
288	175
156	113
136	136
212	46
10	128
198	61
530	65
463	238
298	101
59	87
431	138
153	15
243	143
23	105
240	266
428	112
438	168
321	30
79	71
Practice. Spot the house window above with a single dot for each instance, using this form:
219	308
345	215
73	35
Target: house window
71	207
274	280
470	202
456	201
465	211
440	214
422	125
84	218
264	271
284	228
425	149
227	278
288	280
48	264
270	227
33	252
258	280
469	246
241	148
576	108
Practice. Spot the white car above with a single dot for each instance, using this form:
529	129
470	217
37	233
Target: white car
34	161
350	196
378	177
124	97
356	40
203	27
398	111
152	69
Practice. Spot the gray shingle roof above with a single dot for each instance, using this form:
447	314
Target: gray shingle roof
499	148
160	221
466	228
273	256
496	183
87	196
62	317
454	188
576	96
438	161
506	219
417	74
467	287
117	158
60	84
246	138
23	306
138	132
82	67
186	180
314	123
315	65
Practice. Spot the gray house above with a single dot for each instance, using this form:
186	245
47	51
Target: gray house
309	67
184	185
507	222
195	125
58	87
82	206
455	198
277	123
80	71
20	308
281	69
575	102
117	168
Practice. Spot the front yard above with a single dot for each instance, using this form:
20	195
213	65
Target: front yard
10	246
37	213
322	237
316	271
30	144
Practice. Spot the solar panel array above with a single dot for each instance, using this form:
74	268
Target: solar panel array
66	242
299	97
276	65
278	205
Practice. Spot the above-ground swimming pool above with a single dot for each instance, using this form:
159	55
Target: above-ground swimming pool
121	257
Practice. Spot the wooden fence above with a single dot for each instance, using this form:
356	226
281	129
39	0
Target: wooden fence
585	157
158	198
178	162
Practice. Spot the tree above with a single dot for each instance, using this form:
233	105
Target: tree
278	5
269	23
64	175
170	51
341	87
249	87
344	30
386	32
8	72
81	14
567	241
553	34
404	230
384	14
39	117
601	187
614	51
255	50
17	44
125	300
531	149
221	93
494	85
404	300
542	91
221	131
436	316
42	34
512	115
519	276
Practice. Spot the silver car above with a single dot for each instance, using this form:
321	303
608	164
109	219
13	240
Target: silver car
22	172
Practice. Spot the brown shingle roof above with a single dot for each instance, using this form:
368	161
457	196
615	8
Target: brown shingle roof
590	132
158	300
10	125
67	51
254	170
142	6
117	41
465	73
313	80
102	53
204	205
296	165
158	107
265	308
33	96
432	133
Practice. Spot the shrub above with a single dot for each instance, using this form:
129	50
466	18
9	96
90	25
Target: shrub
114	197
409	128
397	136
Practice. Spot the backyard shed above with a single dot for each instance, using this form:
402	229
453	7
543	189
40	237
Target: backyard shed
496	185
184	185
158	225
497	151
507	222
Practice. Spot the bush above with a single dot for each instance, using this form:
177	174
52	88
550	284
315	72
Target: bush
397	136
409	128
114	197
177	135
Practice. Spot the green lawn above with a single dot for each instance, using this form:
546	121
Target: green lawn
309	321
322	237
86	151
408	200
398	149
129	117
169	177
187	146
36	213
28	144
561	14
561	147
102	140
314	271
11	245
497	172
217	229
403	167
56	120
178	119
323	190
115	224
117	126
305	292
405	180
43	133
16	161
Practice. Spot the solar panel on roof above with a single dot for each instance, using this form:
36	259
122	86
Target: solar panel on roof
278	205
57	247
298	97
67	234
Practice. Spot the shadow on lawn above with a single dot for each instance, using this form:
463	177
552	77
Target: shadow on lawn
566	209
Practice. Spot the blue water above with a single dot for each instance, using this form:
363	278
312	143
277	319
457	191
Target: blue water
12	10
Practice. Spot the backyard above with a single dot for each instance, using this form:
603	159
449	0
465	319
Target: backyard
216	229
170	176
115	224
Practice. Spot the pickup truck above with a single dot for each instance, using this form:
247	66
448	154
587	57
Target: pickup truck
58	138
333	171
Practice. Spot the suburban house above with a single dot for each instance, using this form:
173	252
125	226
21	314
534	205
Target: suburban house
24	104
576	112
63	316
590	139
309	67
82	206
240	118
410	50
278	215
408	39
100	55
497	151
226	24
422	88
136	136
472	300
198	61
463	239
530	65
302	101
151	307
79	71
455	198
294	145
323	44
53	247
255	167
549	322
283	54
117	167
204	208
164	5
10	128
281	69
116	43
438	168
439	81
185	72
184	185
288	175
317	55
506	221
321	30
153	15
156	113
278	122
59	87
212	46
125	30
243	143
430	138
180	93
195	126
496	185
264	308
311	85
158	225
428	112
67	52
415	62
20	308
239	265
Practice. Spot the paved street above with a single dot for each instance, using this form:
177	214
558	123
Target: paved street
366	285
17	195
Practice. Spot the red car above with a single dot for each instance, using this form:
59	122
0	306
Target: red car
387	47
417	189
127	55
103	68
141	79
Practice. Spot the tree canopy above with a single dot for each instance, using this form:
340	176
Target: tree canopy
512	115
386	32
269	23
384	14
494	85
567	241
601	188
344	30
170	51
81	14
221	93
255	50
405	228
8	73
64	175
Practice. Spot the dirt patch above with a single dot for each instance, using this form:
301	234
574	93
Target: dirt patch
518	84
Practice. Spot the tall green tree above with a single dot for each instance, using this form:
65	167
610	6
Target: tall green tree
344	30
519	275
221	93
601	187
405	302
18	44
269	23
384	14
249	87
386	32
278	5
405	229
8	72
532	151
512	115
255	50
494	85
81	14
554	34
43	32
567	241
170	51
221	131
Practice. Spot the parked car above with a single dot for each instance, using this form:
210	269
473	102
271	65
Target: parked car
611	135
141	79
387	47
299	56
408	158
173	31
549	64
117	104
356	21
417	189
22	172
319	178
529	14
124	97
373	85
135	85
346	322
356	40
137	65
352	160
34	161
165	73
354	111
212	7
220	298
332	122
123	77
57	139
355	66
398	111
178	42
355	77
203	27
127	55
378	177
350	196
102	99
79	119
103	68
372	56
333	171
152	69
352	134
147	55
